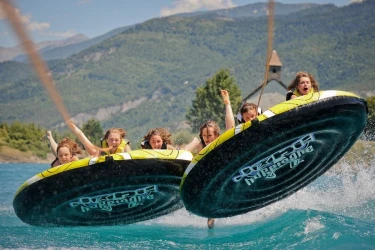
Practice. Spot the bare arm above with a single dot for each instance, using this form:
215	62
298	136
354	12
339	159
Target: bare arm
127	148
51	142
75	158
91	149
199	147
229	118
192	145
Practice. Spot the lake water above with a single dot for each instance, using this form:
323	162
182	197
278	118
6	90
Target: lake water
337	211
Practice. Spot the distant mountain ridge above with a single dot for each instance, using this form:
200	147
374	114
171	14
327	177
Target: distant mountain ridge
250	10
147	76
61	49
17	53
7	54
255	10
67	50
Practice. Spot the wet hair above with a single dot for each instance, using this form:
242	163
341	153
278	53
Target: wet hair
73	147
162	132
209	124
294	83
120	131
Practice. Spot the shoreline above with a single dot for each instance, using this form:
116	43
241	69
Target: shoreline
11	155
14	159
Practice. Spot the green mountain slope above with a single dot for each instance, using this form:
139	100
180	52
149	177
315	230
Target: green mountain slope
147	75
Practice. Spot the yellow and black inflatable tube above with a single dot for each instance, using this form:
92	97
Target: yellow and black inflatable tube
115	189
264	160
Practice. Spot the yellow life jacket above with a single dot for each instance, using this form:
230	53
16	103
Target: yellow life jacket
120	148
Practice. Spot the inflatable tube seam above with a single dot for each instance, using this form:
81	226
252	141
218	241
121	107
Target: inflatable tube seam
93	160
268	113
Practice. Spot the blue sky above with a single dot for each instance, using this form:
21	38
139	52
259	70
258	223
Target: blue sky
48	20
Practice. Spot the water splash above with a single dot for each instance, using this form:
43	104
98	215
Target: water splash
349	192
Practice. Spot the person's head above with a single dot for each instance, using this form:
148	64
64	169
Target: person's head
64	153
248	111
158	138
208	132
66	149
303	82
114	136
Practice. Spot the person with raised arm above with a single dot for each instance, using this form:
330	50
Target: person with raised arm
112	142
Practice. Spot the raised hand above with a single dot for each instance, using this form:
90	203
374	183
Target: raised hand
225	96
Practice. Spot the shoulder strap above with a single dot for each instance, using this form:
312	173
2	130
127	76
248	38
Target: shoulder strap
54	162
289	95
146	144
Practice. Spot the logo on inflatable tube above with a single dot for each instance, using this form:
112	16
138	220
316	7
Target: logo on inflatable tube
105	202
290	155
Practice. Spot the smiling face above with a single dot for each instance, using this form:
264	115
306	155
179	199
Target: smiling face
249	115
248	111
114	140
156	142
304	85
64	155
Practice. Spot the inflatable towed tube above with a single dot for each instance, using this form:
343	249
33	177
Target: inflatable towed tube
121	188
267	159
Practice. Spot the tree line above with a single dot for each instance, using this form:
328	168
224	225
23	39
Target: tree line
207	105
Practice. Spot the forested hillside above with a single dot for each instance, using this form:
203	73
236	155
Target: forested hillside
147	76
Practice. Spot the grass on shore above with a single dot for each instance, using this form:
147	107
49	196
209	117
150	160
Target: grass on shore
8	154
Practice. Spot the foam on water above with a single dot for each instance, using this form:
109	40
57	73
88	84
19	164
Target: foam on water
335	192
337	210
